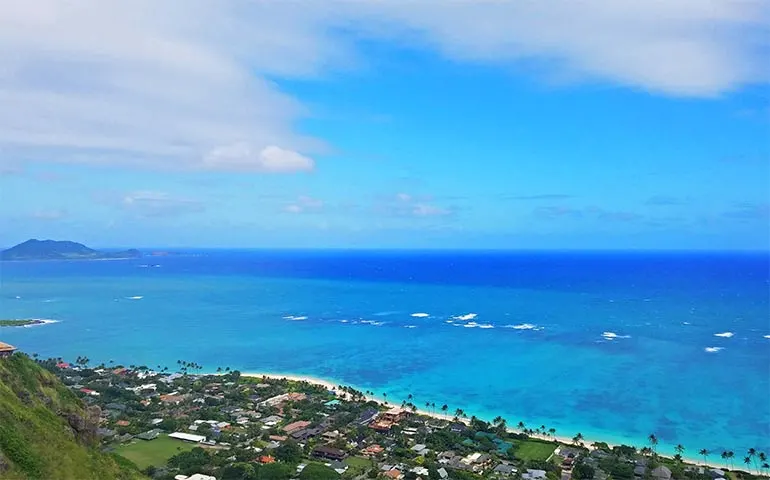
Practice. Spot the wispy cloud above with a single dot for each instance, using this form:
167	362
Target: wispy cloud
304	204
665	201
544	196
590	213
159	204
748	211
408	205
49	215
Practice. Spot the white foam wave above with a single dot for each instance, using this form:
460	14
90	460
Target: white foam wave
344	321
410	326
713	349
449	321
613	335
466	317
685	323
724	334
17	297
295	317
471	325
486	325
767	336
372	322
523	326
420	315
135	297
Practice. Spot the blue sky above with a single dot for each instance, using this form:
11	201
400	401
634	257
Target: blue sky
403	124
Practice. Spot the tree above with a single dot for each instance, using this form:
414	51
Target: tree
288	452
444	408
577	439
730	456
238	471
705	453
521	426
653	442
314	471
747	461
582	471
275	471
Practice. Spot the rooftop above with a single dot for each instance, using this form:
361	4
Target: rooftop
5	347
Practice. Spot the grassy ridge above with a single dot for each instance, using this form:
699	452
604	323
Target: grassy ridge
45	432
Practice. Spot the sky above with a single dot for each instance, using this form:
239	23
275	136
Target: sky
386	124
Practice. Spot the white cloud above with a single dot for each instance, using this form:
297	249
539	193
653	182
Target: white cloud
407	205
271	159
425	210
184	84
304	204
158	204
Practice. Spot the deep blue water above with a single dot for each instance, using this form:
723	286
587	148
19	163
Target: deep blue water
558	367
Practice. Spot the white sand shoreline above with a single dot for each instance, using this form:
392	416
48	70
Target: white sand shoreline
331	386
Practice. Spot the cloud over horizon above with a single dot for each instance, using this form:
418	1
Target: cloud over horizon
189	84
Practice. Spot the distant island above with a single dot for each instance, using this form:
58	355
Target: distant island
61	250
23	323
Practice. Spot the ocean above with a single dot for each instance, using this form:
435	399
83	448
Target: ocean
613	345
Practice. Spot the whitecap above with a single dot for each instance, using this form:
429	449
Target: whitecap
344	321
471	325
449	321
486	325
685	323
17	297
294	317
613	335
523	326
713	349
767	336
371	322
410	326
420	315
466	317
136	297
724	334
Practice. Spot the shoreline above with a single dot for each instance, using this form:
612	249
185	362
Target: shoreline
334	387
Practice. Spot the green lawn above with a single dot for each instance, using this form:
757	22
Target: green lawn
358	466
154	452
534	450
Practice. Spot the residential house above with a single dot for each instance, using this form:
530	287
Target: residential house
328	452
531	474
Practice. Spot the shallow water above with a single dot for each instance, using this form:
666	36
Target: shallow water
615	346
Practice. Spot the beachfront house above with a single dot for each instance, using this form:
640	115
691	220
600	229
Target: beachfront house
6	350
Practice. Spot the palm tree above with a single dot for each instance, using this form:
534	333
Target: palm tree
705	454
763	459
444	408
679	449
653	442
552	432
730	456
724	456
577	439
753	456
747	461
521	426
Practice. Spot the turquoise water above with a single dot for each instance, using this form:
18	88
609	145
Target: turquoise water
559	367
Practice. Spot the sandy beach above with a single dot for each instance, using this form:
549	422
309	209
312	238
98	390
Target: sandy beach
334	387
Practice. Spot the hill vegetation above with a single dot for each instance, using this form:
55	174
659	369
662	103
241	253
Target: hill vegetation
45	430
61	250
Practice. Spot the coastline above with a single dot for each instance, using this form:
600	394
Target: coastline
334	387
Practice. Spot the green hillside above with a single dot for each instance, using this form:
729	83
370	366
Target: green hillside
45	430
